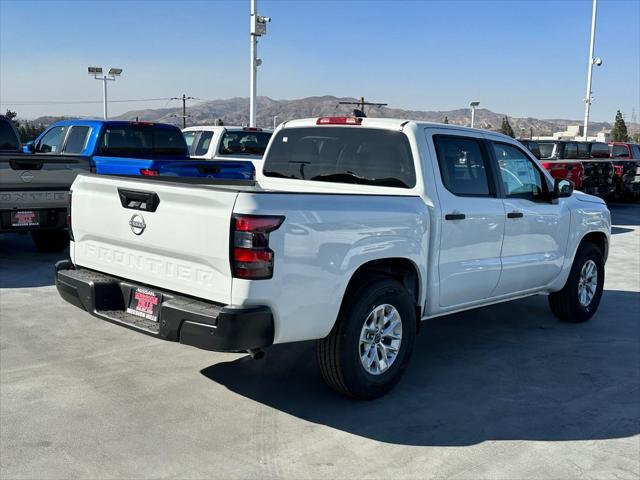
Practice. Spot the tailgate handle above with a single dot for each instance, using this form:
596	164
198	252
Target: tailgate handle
26	164
208	169
145	201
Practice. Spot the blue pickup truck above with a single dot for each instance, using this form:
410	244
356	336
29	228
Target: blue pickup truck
131	148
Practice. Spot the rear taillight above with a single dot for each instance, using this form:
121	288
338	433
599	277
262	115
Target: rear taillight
546	165
69	218
251	257
149	172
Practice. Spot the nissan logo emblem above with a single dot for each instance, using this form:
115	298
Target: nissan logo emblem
26	176
137	224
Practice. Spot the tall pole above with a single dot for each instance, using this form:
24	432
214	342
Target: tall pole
253	71
587	99
473	115
184	111
104	97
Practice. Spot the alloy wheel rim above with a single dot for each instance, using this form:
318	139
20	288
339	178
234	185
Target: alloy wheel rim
587	283
380	339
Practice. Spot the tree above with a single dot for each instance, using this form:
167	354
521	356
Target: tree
446	120
619	131
12	116
506	128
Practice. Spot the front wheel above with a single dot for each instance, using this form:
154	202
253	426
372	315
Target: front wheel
580	297
368	349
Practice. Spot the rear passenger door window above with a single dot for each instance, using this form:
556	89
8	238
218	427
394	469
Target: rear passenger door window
520	177
570	150
463	165
51	142
76	140
202	147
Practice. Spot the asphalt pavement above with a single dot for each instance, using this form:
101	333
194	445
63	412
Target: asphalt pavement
502	392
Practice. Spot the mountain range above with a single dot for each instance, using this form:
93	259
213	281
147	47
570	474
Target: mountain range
235	111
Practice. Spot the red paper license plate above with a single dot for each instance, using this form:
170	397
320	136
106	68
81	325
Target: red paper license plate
25	218
145	303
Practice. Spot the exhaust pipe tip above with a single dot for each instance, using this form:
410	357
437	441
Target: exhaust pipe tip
256	353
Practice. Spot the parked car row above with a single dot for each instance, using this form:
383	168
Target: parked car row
36	178
597	168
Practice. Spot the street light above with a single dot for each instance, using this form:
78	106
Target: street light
473	106
258	28
275	121
592	61
109	77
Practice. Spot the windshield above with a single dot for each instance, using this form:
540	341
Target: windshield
546	149
243	142
342	154
133	140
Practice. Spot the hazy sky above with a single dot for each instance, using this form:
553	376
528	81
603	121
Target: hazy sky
522	58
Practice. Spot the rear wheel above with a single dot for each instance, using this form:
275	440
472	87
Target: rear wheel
47	241
368	349
580	297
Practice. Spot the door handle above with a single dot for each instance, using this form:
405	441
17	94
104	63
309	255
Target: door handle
515	215
455	216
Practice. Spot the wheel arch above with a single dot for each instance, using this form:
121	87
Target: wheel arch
401	269
599	239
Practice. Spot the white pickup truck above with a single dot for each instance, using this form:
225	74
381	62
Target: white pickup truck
227	143
356	230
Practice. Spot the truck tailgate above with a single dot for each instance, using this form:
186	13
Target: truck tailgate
30	181
155	233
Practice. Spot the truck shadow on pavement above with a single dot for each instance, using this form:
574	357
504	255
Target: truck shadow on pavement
505	372
22	266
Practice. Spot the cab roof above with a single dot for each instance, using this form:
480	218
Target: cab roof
388	124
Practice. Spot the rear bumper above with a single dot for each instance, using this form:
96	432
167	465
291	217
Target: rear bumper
182	319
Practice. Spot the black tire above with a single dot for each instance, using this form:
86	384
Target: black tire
339	353
565	304
49	241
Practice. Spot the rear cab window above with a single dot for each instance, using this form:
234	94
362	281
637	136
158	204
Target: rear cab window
599	150
352	155
8	136
131	140
244	142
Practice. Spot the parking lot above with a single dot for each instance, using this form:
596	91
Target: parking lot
500	392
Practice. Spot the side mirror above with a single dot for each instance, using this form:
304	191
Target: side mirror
29	147
562	188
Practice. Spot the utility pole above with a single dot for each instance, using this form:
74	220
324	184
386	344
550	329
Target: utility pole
361	104
184	99
592	61
258	28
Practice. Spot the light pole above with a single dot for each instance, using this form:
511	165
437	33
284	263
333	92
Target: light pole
258	28
275	121
473	106
109	77
592	61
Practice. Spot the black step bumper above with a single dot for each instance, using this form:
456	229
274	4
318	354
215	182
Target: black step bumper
182	319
